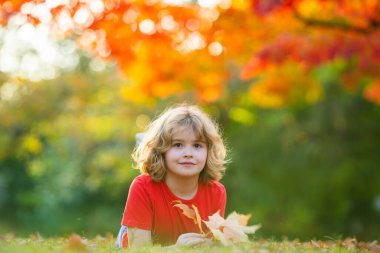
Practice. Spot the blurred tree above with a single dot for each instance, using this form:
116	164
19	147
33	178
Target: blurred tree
309	172
64	144
166	49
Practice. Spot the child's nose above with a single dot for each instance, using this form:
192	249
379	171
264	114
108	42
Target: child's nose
188	152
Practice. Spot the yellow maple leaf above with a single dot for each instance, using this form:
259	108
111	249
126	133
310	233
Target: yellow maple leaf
230	230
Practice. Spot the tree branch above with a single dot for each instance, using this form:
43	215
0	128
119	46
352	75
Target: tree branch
337	23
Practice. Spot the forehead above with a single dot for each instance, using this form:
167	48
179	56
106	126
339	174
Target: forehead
186	133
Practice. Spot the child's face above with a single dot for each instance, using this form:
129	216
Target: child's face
187	154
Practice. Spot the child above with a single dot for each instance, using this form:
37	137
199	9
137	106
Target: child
181	158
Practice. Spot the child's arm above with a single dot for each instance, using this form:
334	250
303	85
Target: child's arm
192	239
139	237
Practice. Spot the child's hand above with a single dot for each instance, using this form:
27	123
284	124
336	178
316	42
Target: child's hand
192	239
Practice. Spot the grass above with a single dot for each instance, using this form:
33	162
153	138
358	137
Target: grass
75	243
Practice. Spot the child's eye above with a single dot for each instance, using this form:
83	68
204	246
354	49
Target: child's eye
177	145
197	145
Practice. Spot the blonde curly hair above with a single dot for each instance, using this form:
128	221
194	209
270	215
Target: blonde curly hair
150	153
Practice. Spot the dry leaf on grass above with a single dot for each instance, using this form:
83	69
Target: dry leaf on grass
76	243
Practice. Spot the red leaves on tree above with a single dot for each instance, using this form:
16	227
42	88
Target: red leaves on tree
164	50
264	7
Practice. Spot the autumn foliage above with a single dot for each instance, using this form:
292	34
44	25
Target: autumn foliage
195	50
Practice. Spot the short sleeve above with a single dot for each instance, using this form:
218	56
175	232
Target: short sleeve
138	210
223	200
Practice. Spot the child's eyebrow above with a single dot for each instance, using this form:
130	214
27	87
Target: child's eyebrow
197	140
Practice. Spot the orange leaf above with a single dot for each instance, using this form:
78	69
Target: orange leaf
253	68
198	218
77	243
190	213
186	210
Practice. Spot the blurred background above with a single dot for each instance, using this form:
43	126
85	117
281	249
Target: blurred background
294	85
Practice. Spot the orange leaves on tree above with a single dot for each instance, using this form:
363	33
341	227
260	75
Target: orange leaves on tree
165	88
164	50
330	30
154	48
255	67
210	86
372	92
309	53
153	44
352	12
278	86
264	7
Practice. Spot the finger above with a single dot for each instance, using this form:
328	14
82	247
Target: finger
191	235
190	239
194	235
207	241
195	241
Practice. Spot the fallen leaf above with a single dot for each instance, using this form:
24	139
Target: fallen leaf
234	233
242	219
198	218
234	229
186	210
215	221
76	243
219	236
230	230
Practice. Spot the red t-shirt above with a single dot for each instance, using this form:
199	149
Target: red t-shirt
150	206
